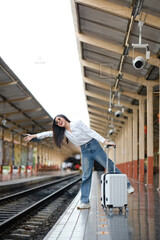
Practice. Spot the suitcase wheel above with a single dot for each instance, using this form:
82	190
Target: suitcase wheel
127	209
110	211
121	209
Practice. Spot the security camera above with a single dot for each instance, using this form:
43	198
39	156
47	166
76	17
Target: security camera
109	109
4	122
111	131
138	63
118	113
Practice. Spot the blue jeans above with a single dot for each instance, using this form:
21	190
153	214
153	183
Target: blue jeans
93	151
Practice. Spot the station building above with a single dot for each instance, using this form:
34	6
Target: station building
20	114
119	52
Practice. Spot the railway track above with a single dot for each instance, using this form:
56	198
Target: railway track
18	207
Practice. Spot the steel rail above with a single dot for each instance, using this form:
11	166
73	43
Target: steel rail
9	197
36	205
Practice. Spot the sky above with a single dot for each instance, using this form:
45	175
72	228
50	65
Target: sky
38	43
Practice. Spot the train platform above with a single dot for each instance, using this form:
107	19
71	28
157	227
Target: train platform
11	181
142	222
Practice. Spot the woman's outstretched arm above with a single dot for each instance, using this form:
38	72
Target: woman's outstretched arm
41	135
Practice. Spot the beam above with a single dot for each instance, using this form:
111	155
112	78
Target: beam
104	69
97	130
103	133
102	121
103	98
106	107
114	48
93	124
99	119
32	119
36	125
98	127
7	84
17	100
107	6
25	111
107	87
106	115
121	11
15	125
149	20
94	121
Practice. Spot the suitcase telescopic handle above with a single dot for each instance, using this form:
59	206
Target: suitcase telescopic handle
109	146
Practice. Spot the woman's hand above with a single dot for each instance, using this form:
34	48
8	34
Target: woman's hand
29	137
106	142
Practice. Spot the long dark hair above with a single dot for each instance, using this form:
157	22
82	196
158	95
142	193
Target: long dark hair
58	132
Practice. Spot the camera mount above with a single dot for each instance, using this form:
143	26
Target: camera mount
139	61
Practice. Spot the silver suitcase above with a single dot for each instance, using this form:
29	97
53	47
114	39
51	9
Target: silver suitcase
113	187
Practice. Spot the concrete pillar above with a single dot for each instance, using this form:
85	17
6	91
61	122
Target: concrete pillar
36	168
135	144
150	157
19	170
2	135
141	140
126	148
123	149
130	146
11	169
25	170
119	153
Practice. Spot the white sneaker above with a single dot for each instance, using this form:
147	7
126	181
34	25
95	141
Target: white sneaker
130	190
82	206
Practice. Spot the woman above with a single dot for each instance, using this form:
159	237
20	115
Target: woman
80	135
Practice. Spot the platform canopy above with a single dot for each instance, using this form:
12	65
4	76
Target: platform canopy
105	31
21	113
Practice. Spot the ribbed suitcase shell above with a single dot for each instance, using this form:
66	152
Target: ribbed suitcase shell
102	190
115	190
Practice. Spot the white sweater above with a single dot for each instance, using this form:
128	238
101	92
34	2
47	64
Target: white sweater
79	135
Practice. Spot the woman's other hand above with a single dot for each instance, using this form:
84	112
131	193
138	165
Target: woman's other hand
29	137
106	142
